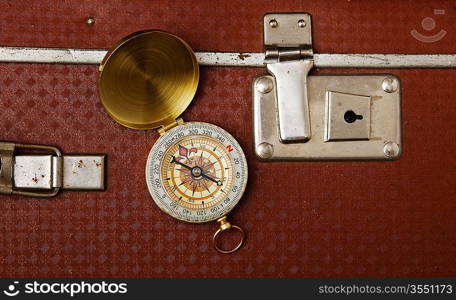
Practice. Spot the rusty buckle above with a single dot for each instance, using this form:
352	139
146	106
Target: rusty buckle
42	171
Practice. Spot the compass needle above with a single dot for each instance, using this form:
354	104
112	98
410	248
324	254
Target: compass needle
200	161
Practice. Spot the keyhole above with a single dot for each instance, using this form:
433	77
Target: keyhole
350	116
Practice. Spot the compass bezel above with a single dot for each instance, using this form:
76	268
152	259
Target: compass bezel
155	180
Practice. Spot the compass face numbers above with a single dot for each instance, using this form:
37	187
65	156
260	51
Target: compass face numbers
196	172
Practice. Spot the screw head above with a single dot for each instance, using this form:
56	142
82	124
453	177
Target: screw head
302	23
90	21
265	150
273	23
391	150
264	85
390	84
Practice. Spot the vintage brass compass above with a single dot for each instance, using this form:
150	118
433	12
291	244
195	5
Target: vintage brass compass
196	172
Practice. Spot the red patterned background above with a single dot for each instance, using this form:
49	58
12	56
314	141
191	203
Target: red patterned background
325	219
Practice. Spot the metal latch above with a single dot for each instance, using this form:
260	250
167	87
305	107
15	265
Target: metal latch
42	171
288	47
327	117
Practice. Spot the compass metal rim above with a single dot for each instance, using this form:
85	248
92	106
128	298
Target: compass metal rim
152	189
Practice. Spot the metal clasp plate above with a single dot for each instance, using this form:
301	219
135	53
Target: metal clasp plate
376	137
331	117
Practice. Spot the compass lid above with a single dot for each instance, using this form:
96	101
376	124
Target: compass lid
148	79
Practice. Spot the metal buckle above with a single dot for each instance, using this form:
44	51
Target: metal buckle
41	171
7	153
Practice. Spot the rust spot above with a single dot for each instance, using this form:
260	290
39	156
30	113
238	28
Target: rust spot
243	56
34	179
42	176
98	164
81	164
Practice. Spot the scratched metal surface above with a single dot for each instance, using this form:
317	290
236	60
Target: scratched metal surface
322	219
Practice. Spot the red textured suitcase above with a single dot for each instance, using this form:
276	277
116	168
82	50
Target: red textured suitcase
303	219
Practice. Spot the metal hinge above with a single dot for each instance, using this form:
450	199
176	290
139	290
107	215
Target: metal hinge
164	128
287	37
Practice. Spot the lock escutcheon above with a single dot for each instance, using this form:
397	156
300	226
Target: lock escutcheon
347	117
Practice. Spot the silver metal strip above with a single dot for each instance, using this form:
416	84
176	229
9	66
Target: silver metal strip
385	60
230	59
51	55
235	59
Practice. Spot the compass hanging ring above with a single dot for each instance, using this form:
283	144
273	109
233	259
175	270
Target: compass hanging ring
225	225
195	172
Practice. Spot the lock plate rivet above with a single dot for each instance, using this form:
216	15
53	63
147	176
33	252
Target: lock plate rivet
390	85
391	150
265	150
264	85
273	23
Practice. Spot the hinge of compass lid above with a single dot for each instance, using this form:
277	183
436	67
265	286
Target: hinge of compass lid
164	128
288	57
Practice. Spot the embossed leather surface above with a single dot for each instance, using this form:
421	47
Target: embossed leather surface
318	219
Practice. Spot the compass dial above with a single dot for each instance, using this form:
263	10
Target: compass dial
196	172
